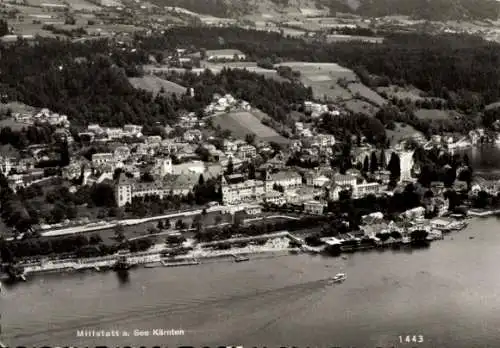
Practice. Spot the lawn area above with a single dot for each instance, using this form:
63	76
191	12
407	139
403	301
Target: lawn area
400	132
242	123
154	84
108	234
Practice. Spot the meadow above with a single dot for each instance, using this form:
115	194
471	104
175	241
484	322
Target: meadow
242	123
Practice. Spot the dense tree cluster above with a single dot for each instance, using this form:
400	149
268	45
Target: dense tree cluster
343	127
273	97
31	205
437	166
86	81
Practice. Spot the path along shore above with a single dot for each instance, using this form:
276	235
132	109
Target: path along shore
276	242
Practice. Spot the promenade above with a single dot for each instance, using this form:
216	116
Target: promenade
96	226
154	255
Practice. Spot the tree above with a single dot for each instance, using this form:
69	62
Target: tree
366	165
373	163
119	233
251	171
383	160
180	225
160	225
166	224
201	180
65	156
394	167
95	238
4	27
250	138
466	160
230	168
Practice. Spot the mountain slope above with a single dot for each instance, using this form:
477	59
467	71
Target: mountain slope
437	10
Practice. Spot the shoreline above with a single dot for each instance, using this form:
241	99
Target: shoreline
277	245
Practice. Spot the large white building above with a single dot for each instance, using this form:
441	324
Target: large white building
128	188
256	190
245	191
406	163
285	179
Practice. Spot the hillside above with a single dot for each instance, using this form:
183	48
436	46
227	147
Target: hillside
437	10
154	85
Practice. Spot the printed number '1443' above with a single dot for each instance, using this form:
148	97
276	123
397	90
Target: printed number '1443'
411	339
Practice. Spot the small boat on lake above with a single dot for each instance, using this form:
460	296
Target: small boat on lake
339	278
241	259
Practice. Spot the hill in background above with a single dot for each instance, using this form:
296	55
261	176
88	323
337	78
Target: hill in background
435	10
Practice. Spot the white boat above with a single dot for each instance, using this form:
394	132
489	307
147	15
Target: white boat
339	277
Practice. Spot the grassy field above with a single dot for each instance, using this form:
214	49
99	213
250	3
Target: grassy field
400	132
360	106
365	92
153	84
242	123
324	80
80	5
16	107
436	114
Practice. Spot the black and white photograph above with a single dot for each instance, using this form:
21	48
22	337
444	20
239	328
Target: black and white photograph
250	173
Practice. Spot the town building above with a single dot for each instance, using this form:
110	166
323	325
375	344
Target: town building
236	190
314	207
99	159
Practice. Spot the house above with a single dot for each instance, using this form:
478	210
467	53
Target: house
192	135
229	146
132	130
121	153
247	151
241	190
275	197
227	54
162	167
324	140
334	190
300	195
366	189
285	179
99	159
344	180
314	207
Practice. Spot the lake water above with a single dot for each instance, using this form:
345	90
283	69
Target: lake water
485	159
448	293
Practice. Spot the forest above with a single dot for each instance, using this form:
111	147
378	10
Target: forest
88	81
